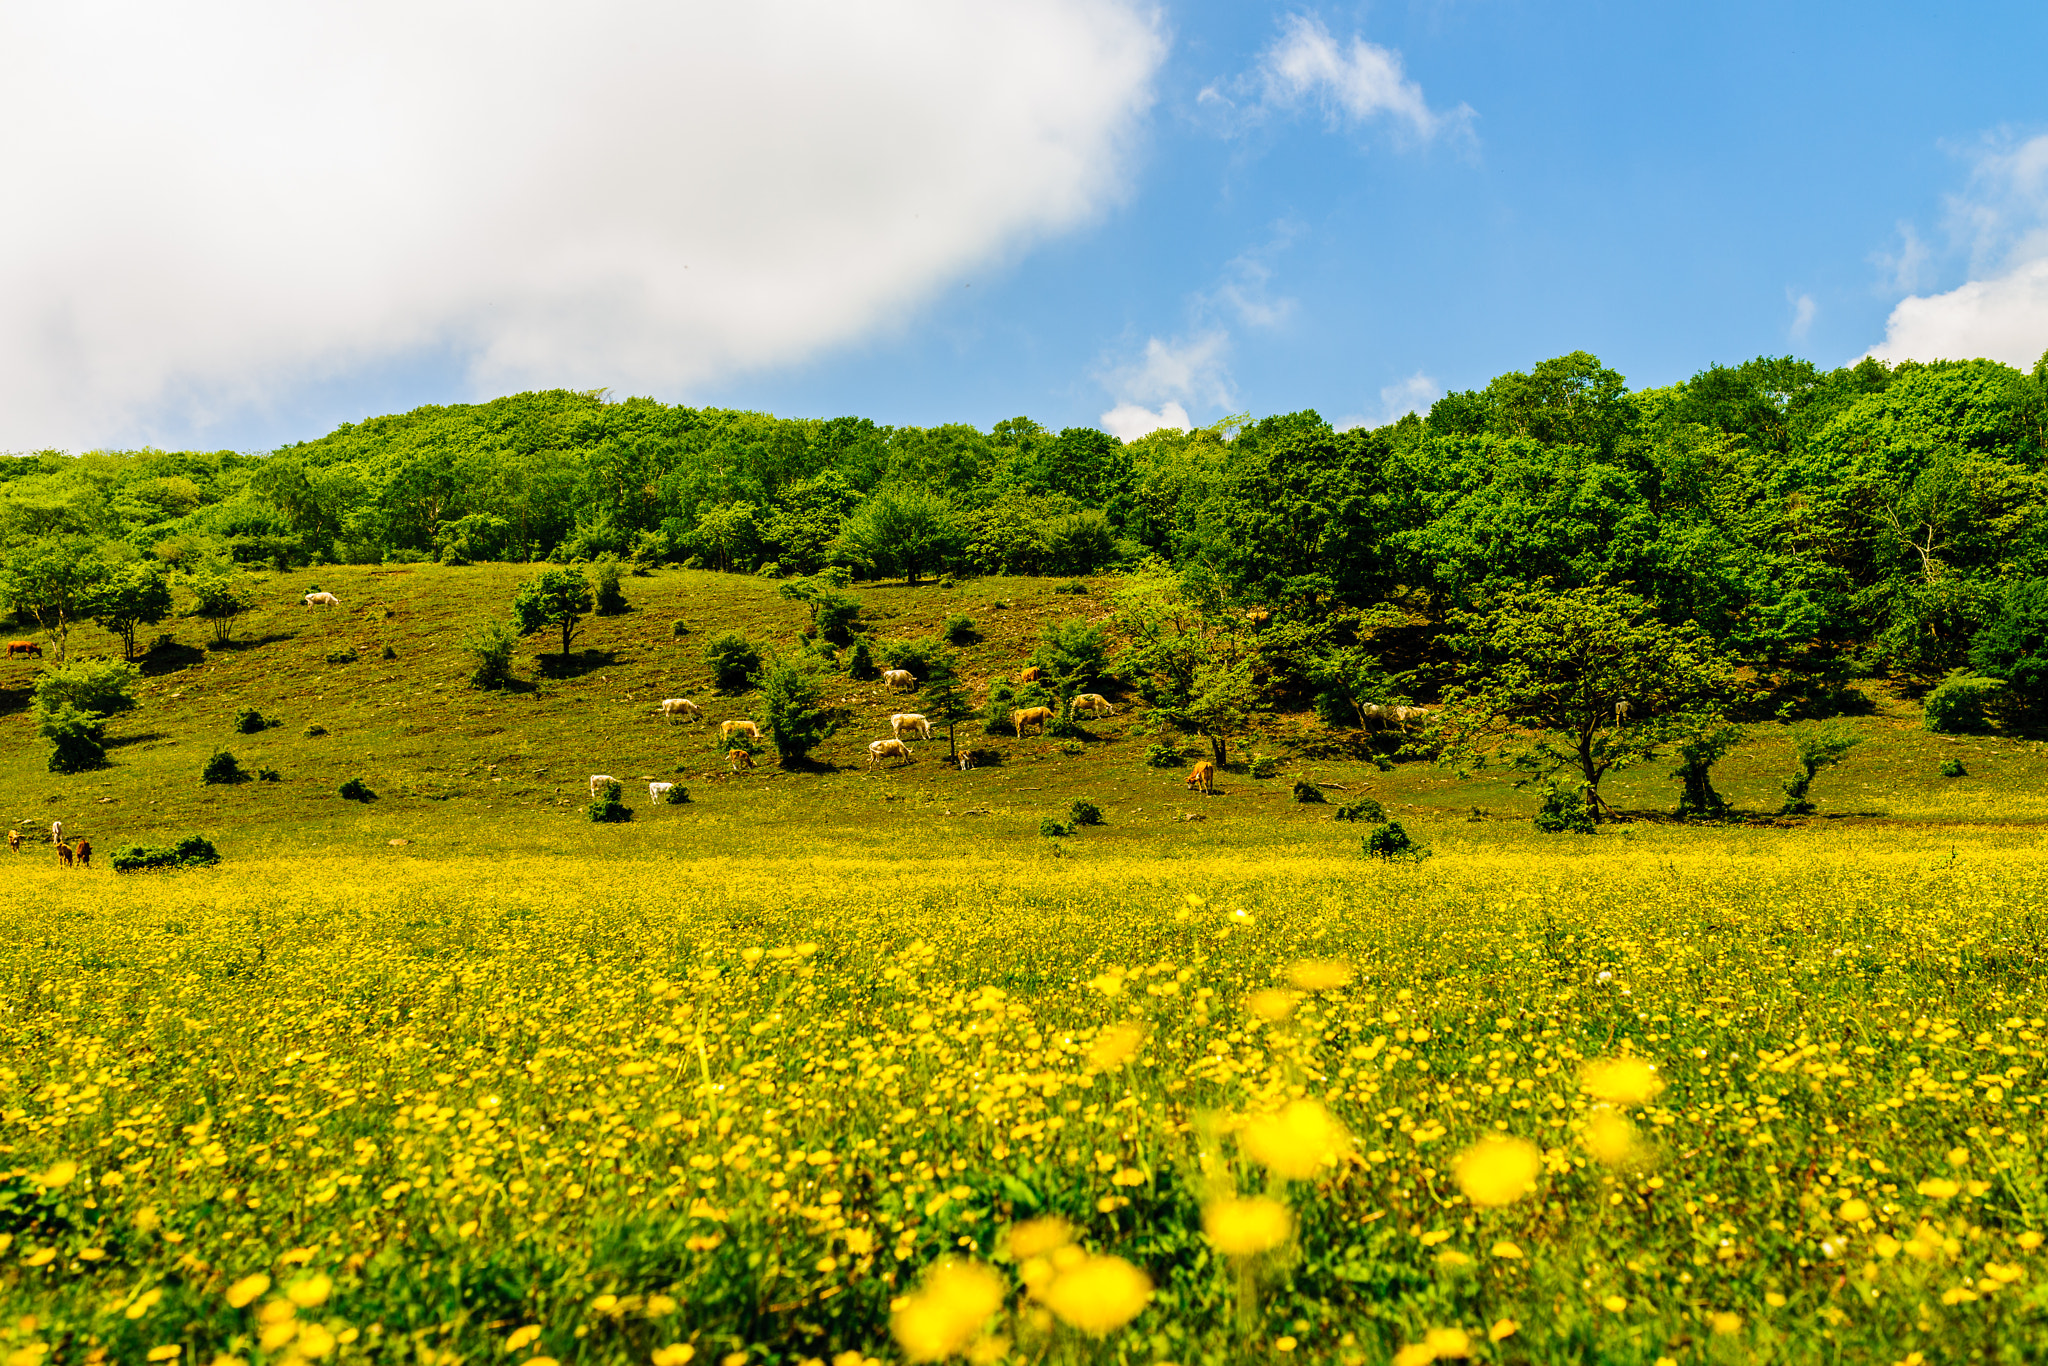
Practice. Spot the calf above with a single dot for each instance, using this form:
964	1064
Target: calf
1030	675
1030	716
84	853
966	760
912	722
883	749
24	647
672	707
739	759
64	854
14	841
1202	778
1093	703
728	729
597	782
901	680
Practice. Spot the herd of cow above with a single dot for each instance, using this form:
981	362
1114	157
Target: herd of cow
79	853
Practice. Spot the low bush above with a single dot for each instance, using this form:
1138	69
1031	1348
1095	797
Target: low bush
1364	810
1070	586
388	653
734	661
1264	765
1564	812
610	600
677	795
1085	813
1052	829
860	661
194	851
490	647
679	628
103	687
1952	767
959	630
315	729
1957	705
1163	756
1070	748
356	790
249	721
1390	842
78	739
269	775
1307	792
347	656
607	808
220	767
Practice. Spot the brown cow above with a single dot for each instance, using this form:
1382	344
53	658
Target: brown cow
1203	778
24	647
14	841
64	854
739	759
1027	716
84	853
1031	675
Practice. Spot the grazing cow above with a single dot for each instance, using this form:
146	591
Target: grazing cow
597	782
883	749
739	759
14	841
1030	675
1621	710
1375	716
910	721
322	600
966	760
728	729
901	680
1030	716
655	790
24	647
1404	717
1094	703
1203	778
64	854
56	832
672	707
84	853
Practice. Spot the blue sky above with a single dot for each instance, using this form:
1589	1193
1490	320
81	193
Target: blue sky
1221	207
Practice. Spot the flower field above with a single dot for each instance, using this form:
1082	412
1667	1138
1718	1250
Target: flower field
1771	1096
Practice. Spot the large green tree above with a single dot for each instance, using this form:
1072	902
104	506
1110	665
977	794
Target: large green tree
132	596
559	599
903	531
55	583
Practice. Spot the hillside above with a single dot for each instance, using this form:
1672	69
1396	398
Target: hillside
457	770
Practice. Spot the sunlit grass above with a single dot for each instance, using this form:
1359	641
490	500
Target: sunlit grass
723	1108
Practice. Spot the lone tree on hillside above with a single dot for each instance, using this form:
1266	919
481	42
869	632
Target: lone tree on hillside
797	724
220	597
560	598
1188	656
1577	683
131	596
55	583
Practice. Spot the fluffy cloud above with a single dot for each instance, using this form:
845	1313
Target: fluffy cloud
1173	373
215	201
2002	312
1414	394
1803	311
1353	83
1129	421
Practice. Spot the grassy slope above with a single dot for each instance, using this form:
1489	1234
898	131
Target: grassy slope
460	771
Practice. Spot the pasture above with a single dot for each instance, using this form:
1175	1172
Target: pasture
727	1082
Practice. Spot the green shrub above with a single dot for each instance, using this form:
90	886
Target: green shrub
269	775
1264	765
1072	747
387	653
490	647
734	661
679	628
677	795
1052	829
1085	813
1074	652
860	661
610	600
315	729
1070	586
607	808
1307	792
221	767
925	657
1956	706
249	721
796	722
1163	756
1952	767
959	630
1564	812
1390	842
1814	747
1365	809
104	687
78	739
2013	644
343	656
356	790
194	851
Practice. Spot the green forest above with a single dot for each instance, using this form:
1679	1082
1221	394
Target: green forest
1818	525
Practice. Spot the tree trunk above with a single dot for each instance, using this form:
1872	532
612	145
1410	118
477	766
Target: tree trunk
1219	747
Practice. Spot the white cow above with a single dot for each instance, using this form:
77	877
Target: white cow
1094	704
672	707
1621	710
910	721
322	600
902	680
1404	717
56	832
886	749
728	729
655	790
597	782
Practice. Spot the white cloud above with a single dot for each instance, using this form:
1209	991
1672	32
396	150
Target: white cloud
1188	369
1803	311
1244	288
1129	421
1414	394
2001	313
1904	268
1353	83
212	202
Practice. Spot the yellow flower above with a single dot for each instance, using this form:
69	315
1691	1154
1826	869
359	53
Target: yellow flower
1116	1045
1109	983
1614	1304
316	1341
1620	1081
170	1351
1245	1226
244	1292
1448	1342
1271	1003
1297	1142
1610	1137
1502	1330
675	1354
1958	1157
143	1303
1451	1257
1036	1237
1937	1188
1724	1324
948	1310
521	1337
1098	1296
1886	1246
1320	974
1853	1211
1507	1250
2029	1240
307	1291
58	1174
1498	1170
